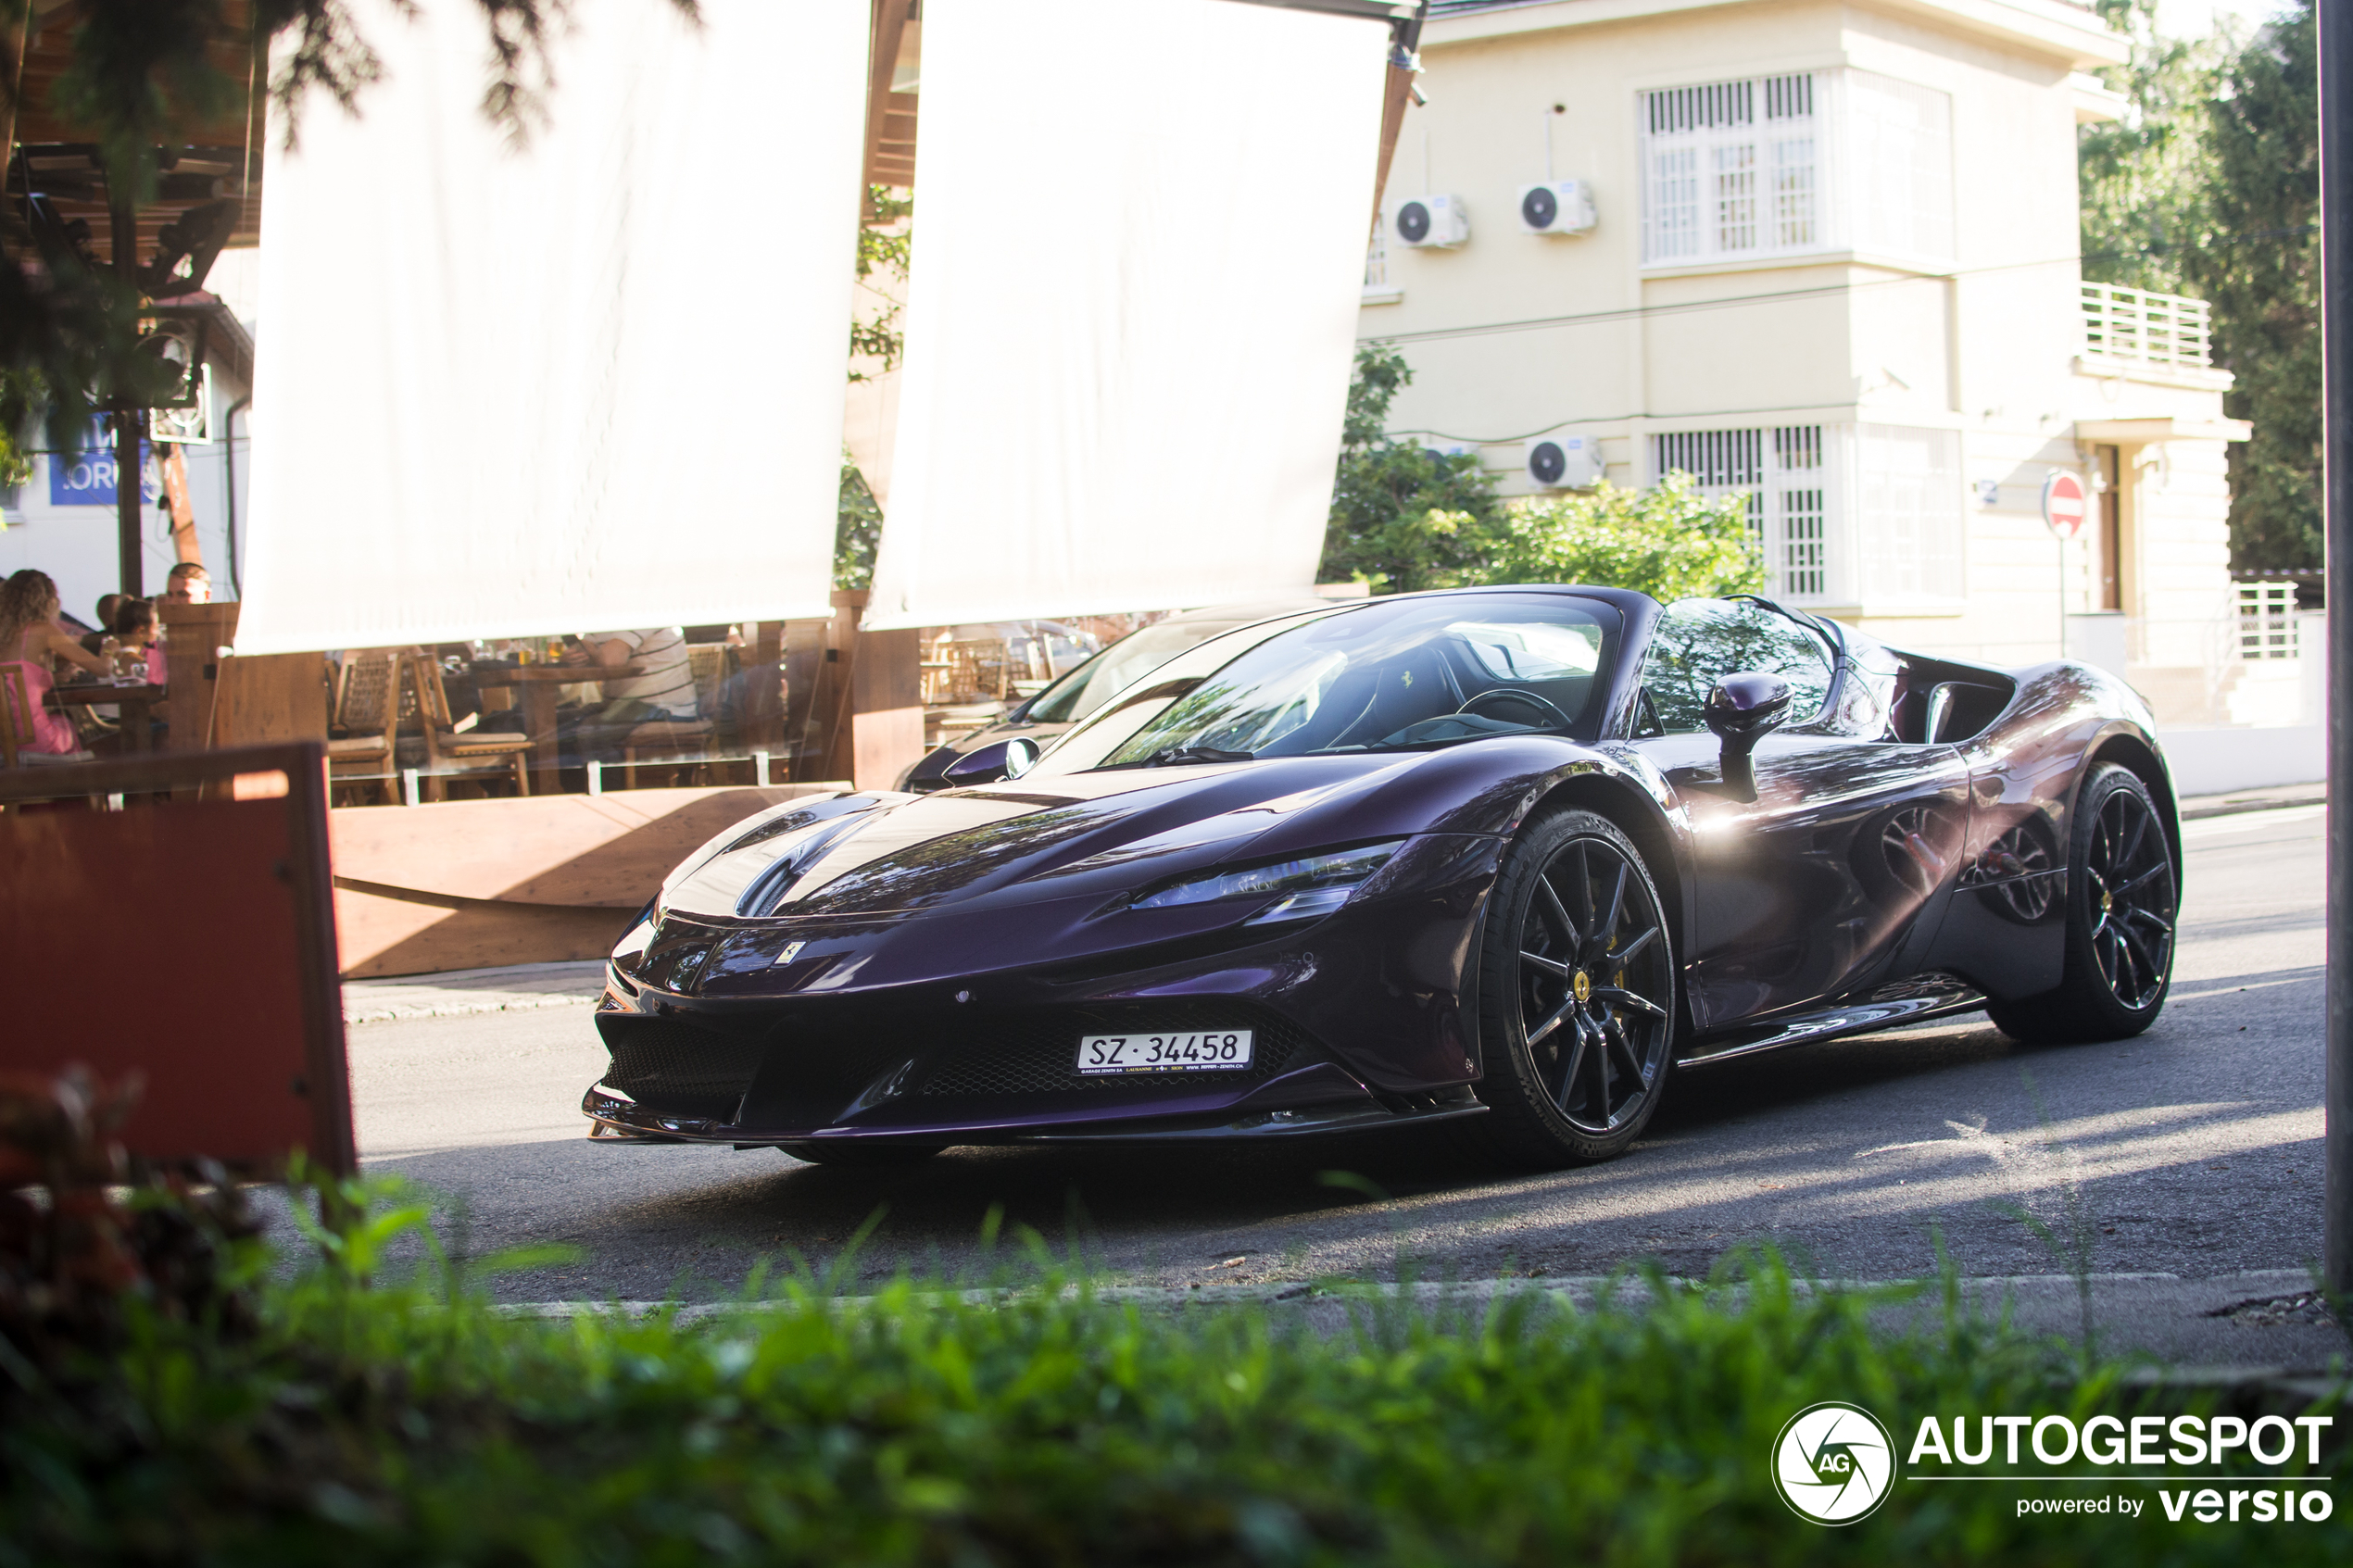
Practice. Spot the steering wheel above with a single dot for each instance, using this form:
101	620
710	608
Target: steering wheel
1507	695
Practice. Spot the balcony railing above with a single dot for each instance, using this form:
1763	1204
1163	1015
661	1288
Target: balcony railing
2267	623
2134	325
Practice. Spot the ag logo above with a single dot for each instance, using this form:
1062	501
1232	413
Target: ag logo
1833	1462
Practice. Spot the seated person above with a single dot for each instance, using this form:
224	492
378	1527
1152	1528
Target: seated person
106	606
29	639
189	583
134	631
664	690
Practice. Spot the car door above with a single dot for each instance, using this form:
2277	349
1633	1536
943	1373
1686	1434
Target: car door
1830	881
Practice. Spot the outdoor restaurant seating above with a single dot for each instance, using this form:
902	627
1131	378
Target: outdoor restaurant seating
663	738
367	715
16	728
449	749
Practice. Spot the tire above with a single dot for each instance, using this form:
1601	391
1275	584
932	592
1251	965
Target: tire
1571	1079
2124	891
862	1153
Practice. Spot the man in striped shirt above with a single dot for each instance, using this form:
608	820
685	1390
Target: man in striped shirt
664	689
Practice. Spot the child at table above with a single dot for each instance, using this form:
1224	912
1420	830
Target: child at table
134	631
29	639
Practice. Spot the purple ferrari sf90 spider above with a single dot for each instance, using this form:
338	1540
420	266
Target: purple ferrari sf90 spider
1508	858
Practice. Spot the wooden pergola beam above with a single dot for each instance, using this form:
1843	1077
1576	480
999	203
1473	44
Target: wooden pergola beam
890	117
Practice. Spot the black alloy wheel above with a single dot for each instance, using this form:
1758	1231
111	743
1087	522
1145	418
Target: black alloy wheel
1577	996
2123	896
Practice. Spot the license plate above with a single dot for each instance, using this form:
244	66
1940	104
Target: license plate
1219	1051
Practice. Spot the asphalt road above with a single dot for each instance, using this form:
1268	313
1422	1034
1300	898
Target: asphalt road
2194	1150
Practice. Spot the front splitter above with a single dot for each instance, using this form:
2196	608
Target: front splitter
615	1119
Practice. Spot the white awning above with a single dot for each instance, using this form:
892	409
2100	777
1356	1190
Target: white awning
1139	248
592	383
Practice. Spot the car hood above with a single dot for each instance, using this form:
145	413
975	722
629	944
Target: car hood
1086	835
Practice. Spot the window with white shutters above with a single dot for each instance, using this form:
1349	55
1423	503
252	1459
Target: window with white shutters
1728	170
1910	516
1788	165
1901	137
1781	472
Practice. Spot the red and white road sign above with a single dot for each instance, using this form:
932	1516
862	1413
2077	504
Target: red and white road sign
2063	503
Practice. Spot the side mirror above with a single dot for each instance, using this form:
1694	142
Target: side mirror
1742	711
999	759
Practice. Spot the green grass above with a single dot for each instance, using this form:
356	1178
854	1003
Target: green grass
407	1422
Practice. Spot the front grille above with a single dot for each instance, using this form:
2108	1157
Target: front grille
1034	1053
675	1068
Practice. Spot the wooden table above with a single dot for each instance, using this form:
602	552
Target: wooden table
537	689
138	702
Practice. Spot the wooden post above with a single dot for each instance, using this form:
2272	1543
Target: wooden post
184	545
830	756
1403	63
803	730
887	708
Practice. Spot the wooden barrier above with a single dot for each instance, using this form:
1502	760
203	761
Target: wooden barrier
189	941
473	884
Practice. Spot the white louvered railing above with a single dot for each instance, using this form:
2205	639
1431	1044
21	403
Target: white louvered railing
2137	326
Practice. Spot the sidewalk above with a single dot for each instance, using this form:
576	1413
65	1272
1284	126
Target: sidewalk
517	988
2272	800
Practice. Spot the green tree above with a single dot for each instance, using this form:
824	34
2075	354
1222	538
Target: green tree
2261	267
2144	178
857	530
1671	541
1404	517
886	241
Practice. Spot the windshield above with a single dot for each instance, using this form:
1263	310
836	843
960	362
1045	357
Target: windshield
1407	674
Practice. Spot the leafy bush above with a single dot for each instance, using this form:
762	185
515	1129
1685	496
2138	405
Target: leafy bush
1671	541
405	1422
1404	517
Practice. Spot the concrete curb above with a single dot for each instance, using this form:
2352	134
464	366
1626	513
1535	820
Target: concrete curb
456	993
2199	1331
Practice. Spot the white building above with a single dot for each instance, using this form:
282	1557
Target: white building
1833	263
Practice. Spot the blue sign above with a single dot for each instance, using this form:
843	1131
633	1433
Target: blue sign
87	478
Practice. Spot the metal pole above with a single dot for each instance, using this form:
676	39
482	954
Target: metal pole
2335	20
129	547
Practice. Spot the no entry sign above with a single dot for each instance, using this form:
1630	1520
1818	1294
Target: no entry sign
2063	506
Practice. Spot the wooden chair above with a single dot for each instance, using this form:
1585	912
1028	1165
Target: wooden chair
17	727
12	703
368	702
662	737
446	744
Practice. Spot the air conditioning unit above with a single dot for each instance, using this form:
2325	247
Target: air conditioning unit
1430	220
1447	447
1564	462
1557	206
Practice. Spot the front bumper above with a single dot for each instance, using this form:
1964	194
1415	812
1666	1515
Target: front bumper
1360	1020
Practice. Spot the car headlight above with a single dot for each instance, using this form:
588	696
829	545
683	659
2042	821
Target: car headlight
1310	886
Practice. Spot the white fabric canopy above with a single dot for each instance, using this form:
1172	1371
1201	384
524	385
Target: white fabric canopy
1139	248
592	383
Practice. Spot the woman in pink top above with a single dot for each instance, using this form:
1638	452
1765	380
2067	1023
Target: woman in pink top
30	637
